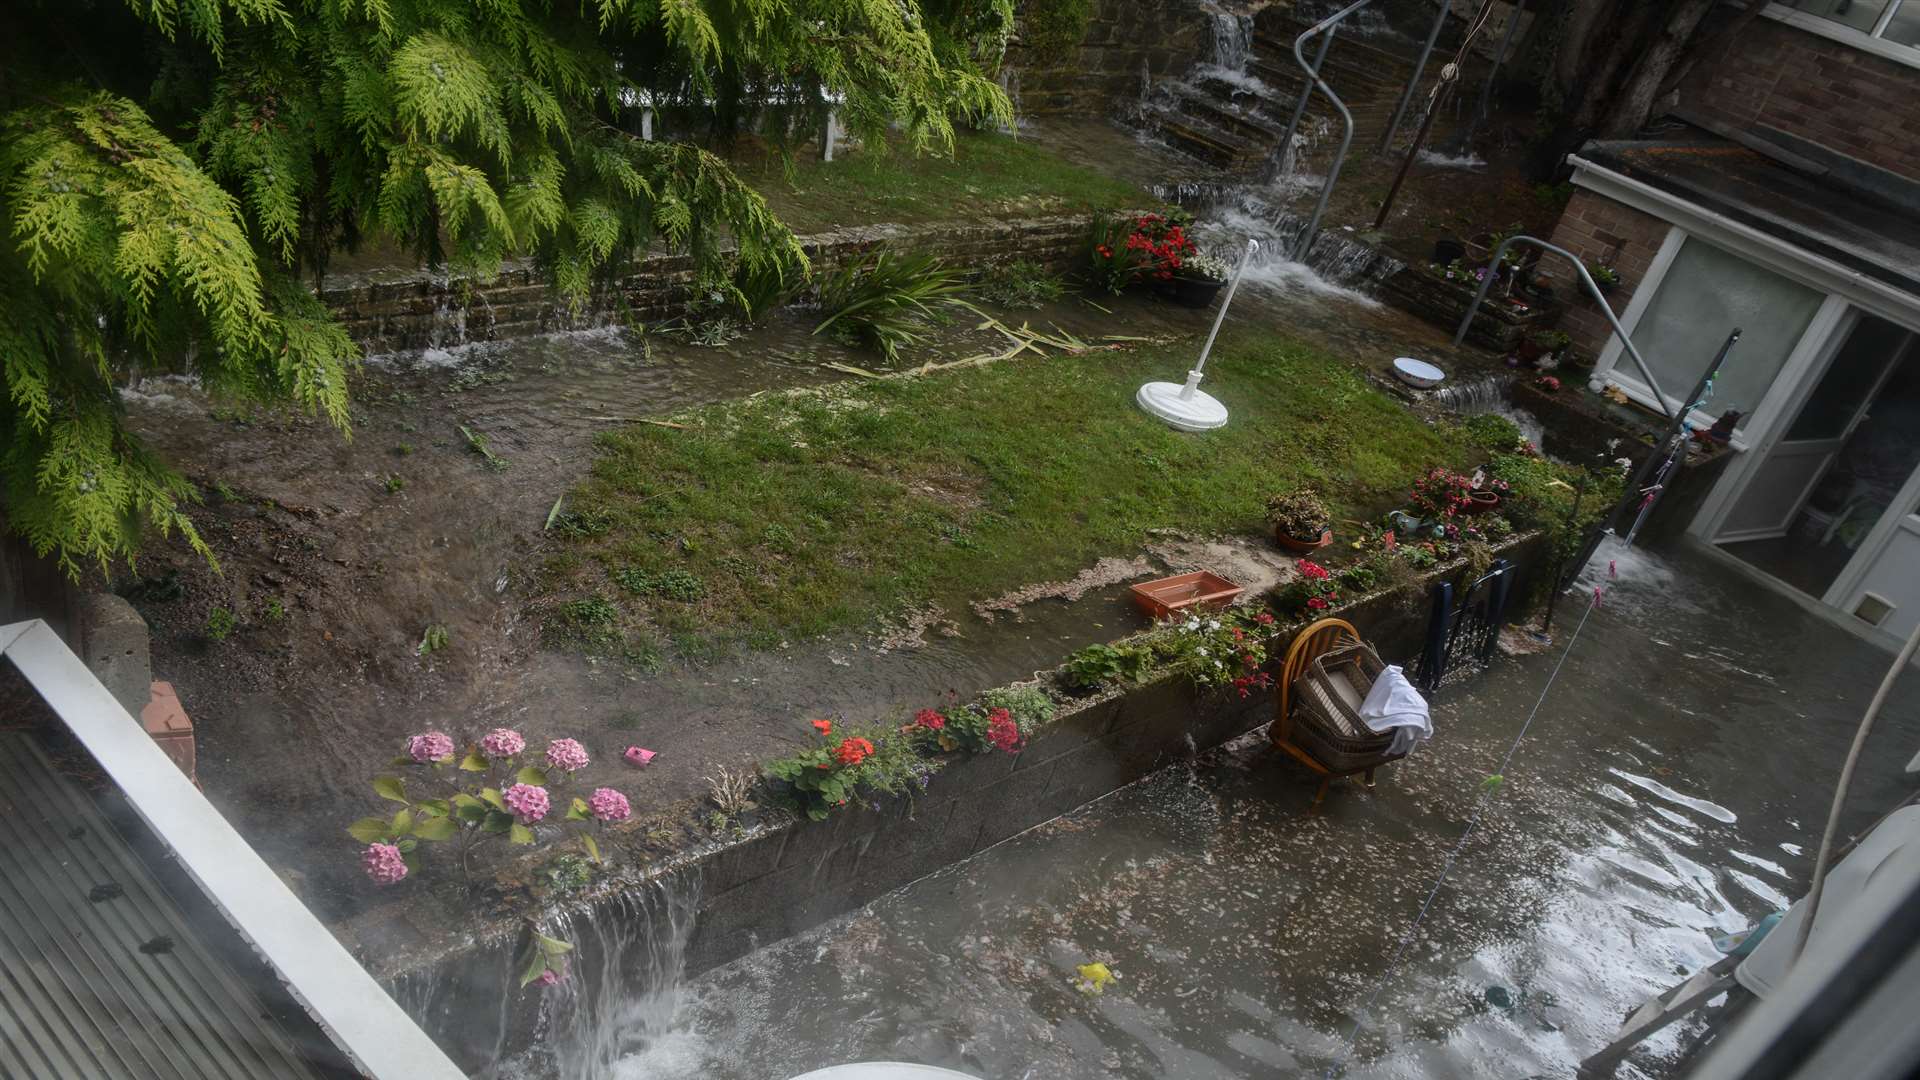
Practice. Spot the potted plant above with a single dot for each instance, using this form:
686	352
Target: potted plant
1300	521
1542	346
1604	276
1198	279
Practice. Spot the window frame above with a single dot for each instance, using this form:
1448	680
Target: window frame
1864	40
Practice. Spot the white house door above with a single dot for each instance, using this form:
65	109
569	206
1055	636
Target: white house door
1887	594
1799	459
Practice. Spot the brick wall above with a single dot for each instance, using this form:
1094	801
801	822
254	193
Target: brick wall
1601	230
1814	88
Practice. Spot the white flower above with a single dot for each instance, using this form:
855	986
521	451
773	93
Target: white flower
1213	624
1201	651
1217	663
1192	624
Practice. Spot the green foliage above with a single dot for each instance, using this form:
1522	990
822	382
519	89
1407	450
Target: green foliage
885	302
221	624
275	609
1030	705
1097	665
469	133
433	640
847	765
1491	432
1021	284
1541	494
670	584
1111	264
1050	29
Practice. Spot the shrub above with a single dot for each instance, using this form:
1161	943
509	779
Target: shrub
221	624
1300	515
1021	284
885	302
1050	29
1492	432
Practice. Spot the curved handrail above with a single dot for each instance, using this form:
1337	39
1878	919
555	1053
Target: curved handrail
1346	120
1486	282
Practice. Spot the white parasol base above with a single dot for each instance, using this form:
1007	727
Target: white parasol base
1186	408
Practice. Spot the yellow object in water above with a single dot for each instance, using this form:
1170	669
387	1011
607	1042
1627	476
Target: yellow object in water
1094	977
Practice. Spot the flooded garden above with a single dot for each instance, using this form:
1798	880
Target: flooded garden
674	560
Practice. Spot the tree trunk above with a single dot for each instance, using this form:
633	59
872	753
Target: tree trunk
1727	33
1632	106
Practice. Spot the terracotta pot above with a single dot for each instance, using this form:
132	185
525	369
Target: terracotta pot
1302	546
1195	292
1481	501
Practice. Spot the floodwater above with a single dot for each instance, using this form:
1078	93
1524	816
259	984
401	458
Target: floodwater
1671	788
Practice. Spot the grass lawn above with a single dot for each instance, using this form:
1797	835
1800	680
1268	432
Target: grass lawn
793	515
988	175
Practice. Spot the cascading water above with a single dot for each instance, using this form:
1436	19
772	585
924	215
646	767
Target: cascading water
623	981
1336	265
1491	394
1232	40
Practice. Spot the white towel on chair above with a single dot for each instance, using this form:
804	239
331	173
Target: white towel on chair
1393	704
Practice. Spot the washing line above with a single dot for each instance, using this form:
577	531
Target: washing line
1487	792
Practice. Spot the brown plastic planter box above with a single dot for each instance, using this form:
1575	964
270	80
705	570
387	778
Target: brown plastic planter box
1197	591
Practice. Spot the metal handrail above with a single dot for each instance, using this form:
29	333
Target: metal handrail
377	1036
1486	282
1346	120
1419	70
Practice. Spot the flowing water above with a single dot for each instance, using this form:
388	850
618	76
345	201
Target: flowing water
1491	394
1671	789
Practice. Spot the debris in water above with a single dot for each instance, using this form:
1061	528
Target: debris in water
1094	978
1499	997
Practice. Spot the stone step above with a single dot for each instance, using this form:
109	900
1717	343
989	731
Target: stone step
1255	122
1201	140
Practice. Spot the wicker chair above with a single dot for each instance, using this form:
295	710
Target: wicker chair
1328	672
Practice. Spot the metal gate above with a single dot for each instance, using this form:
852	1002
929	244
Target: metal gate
1462	635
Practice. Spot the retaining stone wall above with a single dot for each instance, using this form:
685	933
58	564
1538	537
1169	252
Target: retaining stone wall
788	876
1128	44
414	310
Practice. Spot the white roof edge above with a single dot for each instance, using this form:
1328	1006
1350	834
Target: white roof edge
1716	227
363	1020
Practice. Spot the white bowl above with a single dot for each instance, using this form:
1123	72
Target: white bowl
1418	373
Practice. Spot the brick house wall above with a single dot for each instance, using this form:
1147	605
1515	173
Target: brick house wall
1601	230
1814	88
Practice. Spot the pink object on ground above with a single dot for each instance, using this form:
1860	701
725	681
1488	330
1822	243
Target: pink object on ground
167	722
638	756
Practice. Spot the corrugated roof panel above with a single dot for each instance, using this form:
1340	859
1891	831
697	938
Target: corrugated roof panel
100	976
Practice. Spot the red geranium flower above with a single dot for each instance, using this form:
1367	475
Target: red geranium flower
824	727
1002	731
1317	604
853	751
929	719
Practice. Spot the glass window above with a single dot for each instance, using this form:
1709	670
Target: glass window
1905	25
1855	371
1862	15
1704	295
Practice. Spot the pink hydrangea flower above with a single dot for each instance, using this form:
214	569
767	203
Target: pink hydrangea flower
549	977
502	742
566	754
429	747
383	863
609	805
528	802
